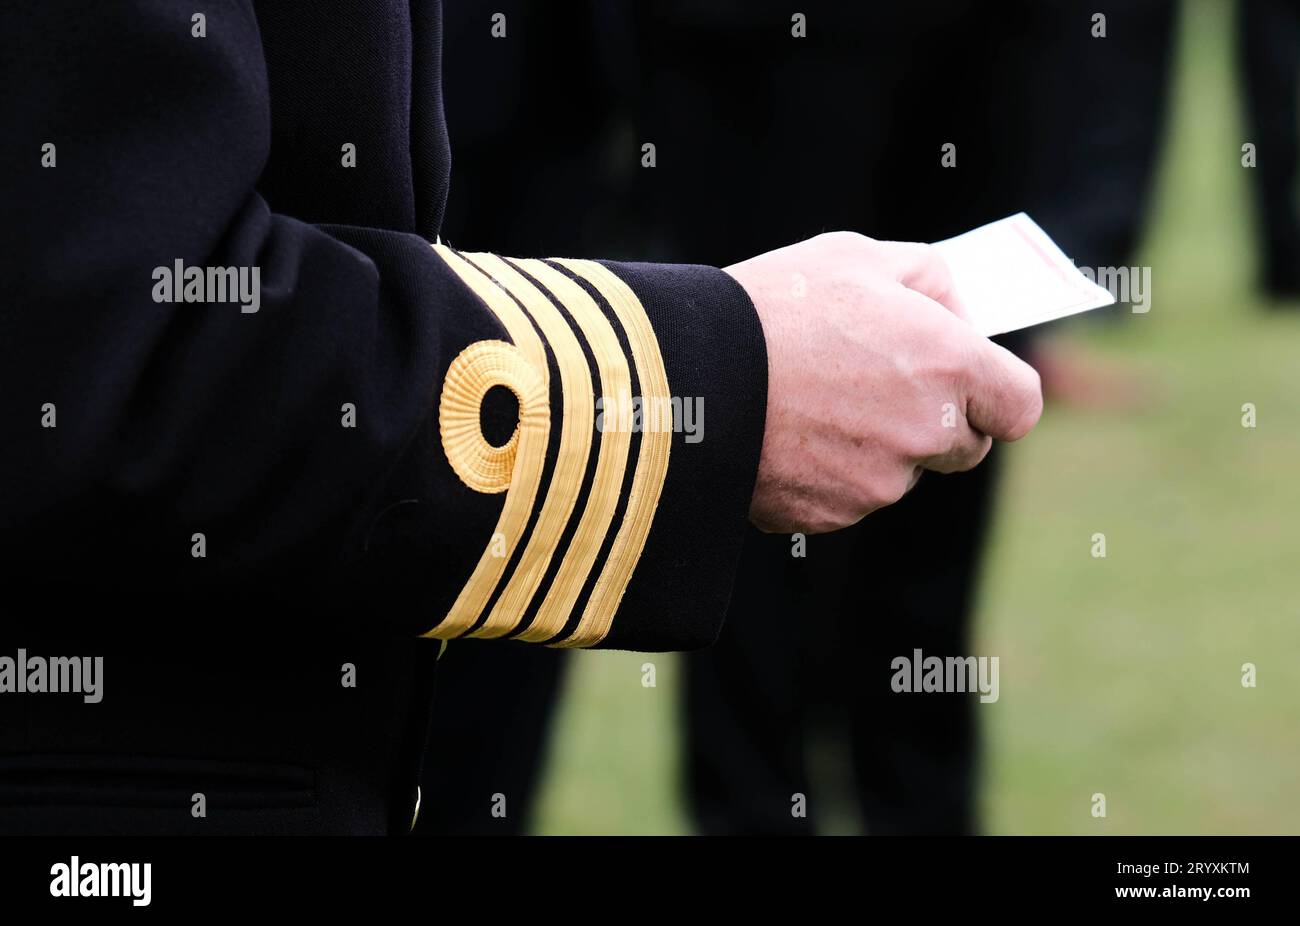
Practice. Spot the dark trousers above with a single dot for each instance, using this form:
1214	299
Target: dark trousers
1269	56
807	650
493	707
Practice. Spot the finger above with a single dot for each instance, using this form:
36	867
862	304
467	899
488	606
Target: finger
1005	397
969	448
920	267
966	443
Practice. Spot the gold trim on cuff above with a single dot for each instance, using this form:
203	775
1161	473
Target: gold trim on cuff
520	294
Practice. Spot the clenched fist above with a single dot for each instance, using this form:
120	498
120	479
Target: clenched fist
873	376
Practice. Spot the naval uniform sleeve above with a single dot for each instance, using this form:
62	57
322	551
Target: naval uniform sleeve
332	448
641	393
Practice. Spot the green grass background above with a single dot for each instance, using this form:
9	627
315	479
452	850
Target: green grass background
1119	675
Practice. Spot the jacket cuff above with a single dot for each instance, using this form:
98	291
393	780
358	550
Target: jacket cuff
624	487
715	358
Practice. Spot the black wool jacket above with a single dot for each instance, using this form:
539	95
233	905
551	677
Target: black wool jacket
268	443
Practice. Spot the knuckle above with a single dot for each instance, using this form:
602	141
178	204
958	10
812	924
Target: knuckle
959	441
967	451
898	487
945	286
833	515
954	358
964	358
926	436
888	488
870	495
932	262
842	239
928	263
944	441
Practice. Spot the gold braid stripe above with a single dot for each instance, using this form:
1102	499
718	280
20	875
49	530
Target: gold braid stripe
576	424
652	462
611	459
522	369
516	467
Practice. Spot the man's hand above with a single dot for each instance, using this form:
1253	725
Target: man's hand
872	378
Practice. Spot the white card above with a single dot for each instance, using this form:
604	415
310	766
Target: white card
1010	275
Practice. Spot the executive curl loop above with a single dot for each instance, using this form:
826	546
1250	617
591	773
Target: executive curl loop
479	367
